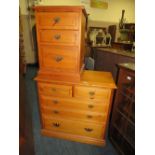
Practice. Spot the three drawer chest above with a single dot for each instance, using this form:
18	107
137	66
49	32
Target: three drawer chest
74	103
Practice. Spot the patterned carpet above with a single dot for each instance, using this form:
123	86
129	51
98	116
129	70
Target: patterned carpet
52	146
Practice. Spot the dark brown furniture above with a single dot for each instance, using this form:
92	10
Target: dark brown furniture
122	124
107	58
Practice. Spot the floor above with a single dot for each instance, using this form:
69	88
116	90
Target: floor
52	146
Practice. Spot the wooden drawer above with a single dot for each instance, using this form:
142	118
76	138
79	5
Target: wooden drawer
73	114
74	104
126	77
55	90
58	20
75	127
93	93
59	37
59	58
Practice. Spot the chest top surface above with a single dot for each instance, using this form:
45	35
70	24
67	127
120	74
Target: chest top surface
89	78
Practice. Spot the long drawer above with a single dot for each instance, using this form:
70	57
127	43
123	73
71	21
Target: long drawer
59	58
73	104
75	127
58	20
59	37
73	114
55	90
93	93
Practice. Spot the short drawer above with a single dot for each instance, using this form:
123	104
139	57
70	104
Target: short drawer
80	105
75	127
73	114
59	58
58	20
126	77
59	37
55	90
93	93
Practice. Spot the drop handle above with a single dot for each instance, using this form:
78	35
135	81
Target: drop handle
91	93
57	36
58	58
55	112
55	101
89	116
56	125
88	129
53	89
90	106
56	19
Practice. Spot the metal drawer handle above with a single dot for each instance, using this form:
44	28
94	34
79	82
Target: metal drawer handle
58	58
57	19
89	116
55	101
57	36
55	112
129	78
53	89
91	93
88	129
90	106
56	125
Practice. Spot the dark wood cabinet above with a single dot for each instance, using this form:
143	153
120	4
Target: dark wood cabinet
122	124
107	58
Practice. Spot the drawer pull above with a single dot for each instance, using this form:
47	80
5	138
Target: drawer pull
55	112
58	58
129	78
91	97
56	125
57	36
57	19
88	129
89	116
90	106
91	93
53	89
55	101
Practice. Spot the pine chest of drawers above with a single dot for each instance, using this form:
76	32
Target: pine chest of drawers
74	104
61	42
76	111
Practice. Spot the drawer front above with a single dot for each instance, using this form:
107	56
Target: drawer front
55	90
58	20
59	58
73	114
59	37
93	93
126	77
75	127
73	104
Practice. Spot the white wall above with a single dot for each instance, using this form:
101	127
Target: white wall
112	14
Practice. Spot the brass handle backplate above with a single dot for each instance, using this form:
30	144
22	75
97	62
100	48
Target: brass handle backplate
53	89
55	101
57	19
57	36
58	58
55	112
90	106
89	116
91	93
56	125
88	129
